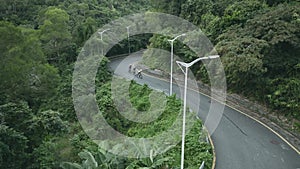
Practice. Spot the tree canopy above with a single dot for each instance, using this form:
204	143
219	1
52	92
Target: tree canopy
258	41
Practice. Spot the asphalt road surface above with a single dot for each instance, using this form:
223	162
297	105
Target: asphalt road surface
240	142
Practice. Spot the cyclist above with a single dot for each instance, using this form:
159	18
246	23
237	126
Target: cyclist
139	74
129	70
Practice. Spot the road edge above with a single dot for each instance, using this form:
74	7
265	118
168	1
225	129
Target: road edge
213	166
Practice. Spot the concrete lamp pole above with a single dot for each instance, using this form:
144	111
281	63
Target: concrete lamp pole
172	57
128	34
185	72
101	37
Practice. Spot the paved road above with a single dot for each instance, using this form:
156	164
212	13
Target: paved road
240	142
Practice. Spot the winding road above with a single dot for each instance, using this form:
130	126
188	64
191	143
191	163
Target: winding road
240	142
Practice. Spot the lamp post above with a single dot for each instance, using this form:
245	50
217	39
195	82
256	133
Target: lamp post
185	72
101	37
172	49
128	39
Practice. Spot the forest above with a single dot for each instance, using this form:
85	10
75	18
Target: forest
258	42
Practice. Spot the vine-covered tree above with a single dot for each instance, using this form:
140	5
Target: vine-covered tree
55	35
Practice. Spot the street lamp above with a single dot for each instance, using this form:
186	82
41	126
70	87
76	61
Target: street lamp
171	78
185	72
101	36
128	39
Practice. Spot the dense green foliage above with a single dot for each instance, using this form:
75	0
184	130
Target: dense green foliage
39	42
258	42
197	149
